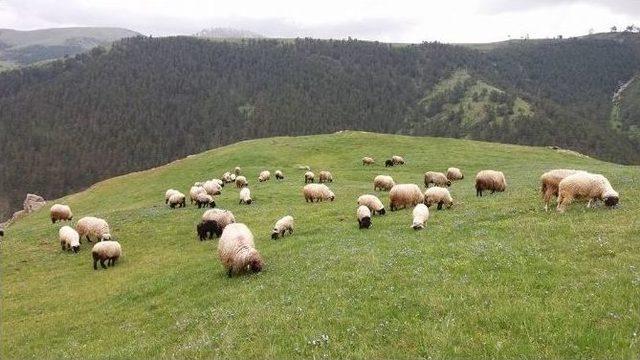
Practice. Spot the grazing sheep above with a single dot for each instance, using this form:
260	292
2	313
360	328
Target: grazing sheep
90	226
282	225
226	177
453	173
194	191
207	228
198	183
108	251
219	181
309	177
212	187
178	200
490	180
264	176
367	161
317	192
170	192
397	160
237	171
373	203
364	217
69	239
245	196
550	182
204	200
436	178
438	195
236	250
583	185
403	195
420	216
241	181
325	176
60	212
388	163
220	216
279	175
383	182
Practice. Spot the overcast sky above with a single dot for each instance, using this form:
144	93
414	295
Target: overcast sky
394	21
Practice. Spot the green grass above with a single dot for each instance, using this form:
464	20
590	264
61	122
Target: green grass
493	277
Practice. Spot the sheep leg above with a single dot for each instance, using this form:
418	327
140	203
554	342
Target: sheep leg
63	245
229	273
440	205
95	264
88	239
102	264
290	231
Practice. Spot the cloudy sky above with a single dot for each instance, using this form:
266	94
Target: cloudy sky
395	20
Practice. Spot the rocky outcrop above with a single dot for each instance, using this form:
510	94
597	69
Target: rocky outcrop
30	204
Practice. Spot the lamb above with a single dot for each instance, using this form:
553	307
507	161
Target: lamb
438	195
453	173
212	187
204	200
282	225
241	181
170	192
245	196
178	200
108	251
383	182
309	177
325	176
317	192
550	182
279	175
60	212
367	161
208	228
490	180
226	177
403	195
583	185
69	239
420	216
264	176
364	217
90	226
236	250
436	178
237	170
373	203
194	191
388	163
397	160
220	216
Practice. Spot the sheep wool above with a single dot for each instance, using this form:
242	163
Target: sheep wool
317	192
220	216
226	177
279	175
453	173
212	187
436	178
281	226
373	203
194	191
405	195
264	176
178	200
368	161
60	212
237	171
325	176
420	216
69	239
245	196
583	185
108	251
438	195
237	251
364	217
241	181
170	192
397	160
383	182
309	177
90	226
490	180
204	200
550	181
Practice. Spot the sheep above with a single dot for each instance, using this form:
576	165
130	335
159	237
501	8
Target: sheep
367	161
208	228
436	178
309	177
204	200
397	160
108	251
388	163
69	239
420	216
583	185
279	175
212	187
453	173
383	182
364	217
490	180
282	225
178	200
236	250
317	192
219	181
237	171
438	195
170	192
264	176
325	176
373	203
403	195
60	212
226	177
90	226
194	191
241	181
198	183
220	216
245	196
550	181
233	178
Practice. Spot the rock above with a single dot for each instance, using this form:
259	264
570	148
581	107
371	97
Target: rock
32	203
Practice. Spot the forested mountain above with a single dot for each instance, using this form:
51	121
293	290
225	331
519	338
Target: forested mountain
147	101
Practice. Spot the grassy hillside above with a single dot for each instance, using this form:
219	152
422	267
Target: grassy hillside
493	277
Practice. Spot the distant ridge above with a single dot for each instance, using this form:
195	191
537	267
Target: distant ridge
227	33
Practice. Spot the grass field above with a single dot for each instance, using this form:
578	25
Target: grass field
492	277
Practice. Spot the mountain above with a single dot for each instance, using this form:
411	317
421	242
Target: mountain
227	33
145	101
18	48
490	270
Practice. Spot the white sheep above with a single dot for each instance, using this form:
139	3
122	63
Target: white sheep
245	196
373	203
219	181
368	161
108	251
241	181
583	185
490	180
404	195
281	226
436	178
453	173
220	216
383	182
226	177
60	212
170	192
193	193
309	177
550	181
178	200
212	187
325	176
90	226
317	192
204	200
237	251
397	160
279	175
438	195
237	171
420	216
364	217
69	239
264	176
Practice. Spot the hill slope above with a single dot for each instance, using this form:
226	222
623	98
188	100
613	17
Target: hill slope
492	277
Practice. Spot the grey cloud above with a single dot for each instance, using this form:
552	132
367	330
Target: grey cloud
630	7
